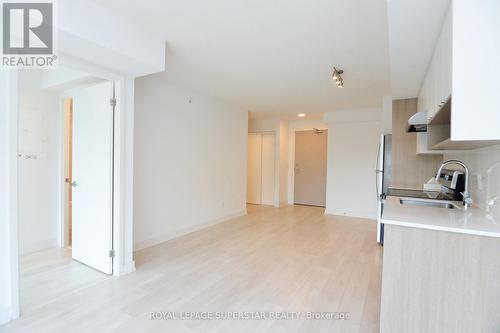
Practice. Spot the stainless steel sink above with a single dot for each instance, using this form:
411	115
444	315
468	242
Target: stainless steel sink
428	203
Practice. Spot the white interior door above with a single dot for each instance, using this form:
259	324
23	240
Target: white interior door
310	168
254	172
93	176
268	168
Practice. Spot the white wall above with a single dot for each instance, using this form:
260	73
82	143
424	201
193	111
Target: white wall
54	78
189	161
387	114
353	138
263	125
39	167
110	41
484	182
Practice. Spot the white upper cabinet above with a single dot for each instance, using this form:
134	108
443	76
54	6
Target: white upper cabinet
476	70
437	86
465	67
445	43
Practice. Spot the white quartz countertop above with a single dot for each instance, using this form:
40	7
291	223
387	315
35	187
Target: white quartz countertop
472	221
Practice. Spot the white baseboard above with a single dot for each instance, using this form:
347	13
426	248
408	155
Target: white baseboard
128	267
39	246
5	315
168	236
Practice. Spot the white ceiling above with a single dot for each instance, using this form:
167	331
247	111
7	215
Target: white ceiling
272	56
414	28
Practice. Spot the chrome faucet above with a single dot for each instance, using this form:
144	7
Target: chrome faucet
466	195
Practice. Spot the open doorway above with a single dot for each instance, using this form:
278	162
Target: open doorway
310	167
66	183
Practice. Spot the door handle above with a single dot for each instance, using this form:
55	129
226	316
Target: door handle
74	184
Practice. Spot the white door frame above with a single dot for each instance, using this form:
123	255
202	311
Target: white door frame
123	164
123	175
9	261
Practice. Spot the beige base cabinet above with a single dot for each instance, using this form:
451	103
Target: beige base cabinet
438	281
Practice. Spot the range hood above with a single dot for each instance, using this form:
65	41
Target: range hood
417	122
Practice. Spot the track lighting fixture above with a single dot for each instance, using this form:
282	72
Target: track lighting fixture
337	76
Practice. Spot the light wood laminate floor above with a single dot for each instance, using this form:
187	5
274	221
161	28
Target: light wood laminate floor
286	259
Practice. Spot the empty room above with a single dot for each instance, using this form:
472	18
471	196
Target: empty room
262	166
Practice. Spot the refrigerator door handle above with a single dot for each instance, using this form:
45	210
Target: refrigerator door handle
377	171
379	194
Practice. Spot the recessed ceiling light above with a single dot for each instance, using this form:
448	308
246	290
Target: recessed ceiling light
301	115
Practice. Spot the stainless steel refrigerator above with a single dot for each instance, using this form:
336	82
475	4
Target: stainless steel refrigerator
383	174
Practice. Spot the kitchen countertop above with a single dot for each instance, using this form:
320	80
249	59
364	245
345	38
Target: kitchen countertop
472	221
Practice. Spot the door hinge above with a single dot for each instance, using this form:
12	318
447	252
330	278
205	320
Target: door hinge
112	101
111	253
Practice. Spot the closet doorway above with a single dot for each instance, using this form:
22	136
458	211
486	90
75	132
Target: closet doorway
261	168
